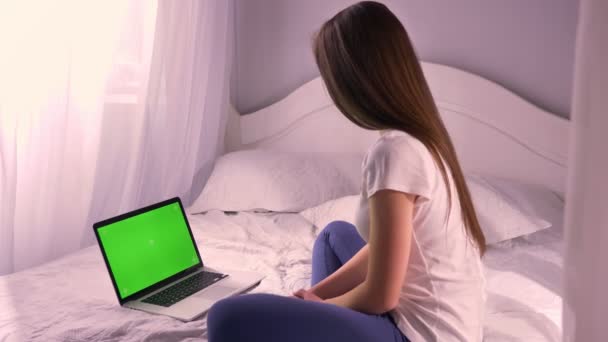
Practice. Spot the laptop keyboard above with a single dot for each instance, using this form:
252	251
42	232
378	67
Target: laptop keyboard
184	288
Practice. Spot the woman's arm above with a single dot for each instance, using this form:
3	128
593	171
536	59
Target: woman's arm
351	274
389	244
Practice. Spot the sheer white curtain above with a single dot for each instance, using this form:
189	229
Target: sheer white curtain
586	272
104	106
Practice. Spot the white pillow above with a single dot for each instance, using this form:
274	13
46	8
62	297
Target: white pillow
340	209
278	181
505	209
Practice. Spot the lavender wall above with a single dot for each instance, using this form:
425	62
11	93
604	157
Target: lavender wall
525	45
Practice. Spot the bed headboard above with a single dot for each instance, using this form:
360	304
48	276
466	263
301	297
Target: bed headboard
494	131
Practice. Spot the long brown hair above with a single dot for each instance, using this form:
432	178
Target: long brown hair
372	74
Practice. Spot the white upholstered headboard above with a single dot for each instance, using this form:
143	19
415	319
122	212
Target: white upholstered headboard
495	131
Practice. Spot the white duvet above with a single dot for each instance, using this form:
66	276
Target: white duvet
72	299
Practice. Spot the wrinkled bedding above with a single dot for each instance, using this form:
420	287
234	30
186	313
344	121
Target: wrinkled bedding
524	287
71	299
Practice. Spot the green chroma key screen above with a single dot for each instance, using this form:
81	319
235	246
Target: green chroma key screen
147	248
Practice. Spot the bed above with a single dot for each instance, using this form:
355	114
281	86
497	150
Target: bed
71	299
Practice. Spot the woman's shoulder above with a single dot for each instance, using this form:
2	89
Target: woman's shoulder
400	162
397	145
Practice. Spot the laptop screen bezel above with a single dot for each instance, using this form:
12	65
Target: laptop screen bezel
164	282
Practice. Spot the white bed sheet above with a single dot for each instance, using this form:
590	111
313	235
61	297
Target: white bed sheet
71	299
524	286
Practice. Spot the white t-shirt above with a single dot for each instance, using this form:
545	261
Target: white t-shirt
443	294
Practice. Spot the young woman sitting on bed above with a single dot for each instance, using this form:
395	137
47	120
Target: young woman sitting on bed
410	269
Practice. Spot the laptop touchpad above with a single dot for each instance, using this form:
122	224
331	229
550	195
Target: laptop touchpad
216	292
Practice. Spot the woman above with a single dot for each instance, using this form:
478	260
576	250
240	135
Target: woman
410	269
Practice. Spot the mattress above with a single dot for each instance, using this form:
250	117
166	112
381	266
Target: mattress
72	299
524	287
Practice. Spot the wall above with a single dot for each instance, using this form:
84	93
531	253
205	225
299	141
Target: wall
525	45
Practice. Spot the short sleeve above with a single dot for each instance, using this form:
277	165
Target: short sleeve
401	164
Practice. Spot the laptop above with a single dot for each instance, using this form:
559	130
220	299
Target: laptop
155	265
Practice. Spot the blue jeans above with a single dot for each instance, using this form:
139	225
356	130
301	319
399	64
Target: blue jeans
272	318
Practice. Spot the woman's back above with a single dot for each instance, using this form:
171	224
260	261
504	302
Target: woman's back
443	295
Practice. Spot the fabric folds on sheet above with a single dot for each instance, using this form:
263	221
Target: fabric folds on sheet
72	299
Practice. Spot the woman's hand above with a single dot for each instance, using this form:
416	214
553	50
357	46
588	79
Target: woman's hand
307	295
